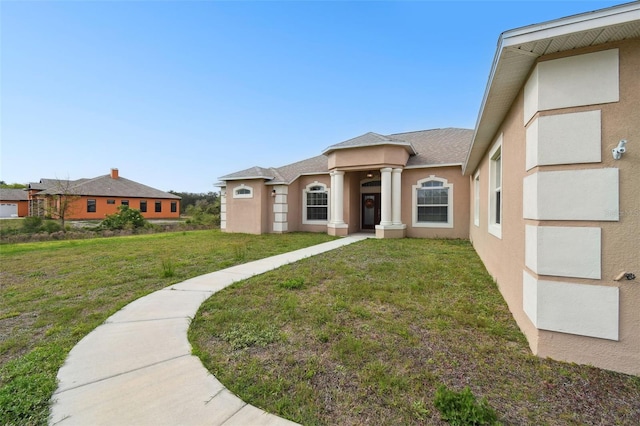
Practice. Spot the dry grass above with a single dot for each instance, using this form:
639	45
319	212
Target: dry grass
53	293
365	334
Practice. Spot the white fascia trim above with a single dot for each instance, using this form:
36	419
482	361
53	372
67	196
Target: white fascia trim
572	24
431	166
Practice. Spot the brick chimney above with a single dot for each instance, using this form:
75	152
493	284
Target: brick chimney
114	173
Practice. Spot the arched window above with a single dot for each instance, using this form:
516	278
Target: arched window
243	191
433	203
315	199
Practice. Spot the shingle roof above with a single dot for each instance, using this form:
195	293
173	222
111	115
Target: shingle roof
251	173
438	146
9	194
427	148
103	186
370	139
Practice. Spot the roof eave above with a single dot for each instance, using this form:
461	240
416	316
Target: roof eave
406	145
499	94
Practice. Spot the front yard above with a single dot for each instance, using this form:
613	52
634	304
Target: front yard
54	293
367	333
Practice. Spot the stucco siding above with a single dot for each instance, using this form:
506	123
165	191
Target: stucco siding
613	340
460	202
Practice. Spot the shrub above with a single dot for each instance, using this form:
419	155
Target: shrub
32	224
51	226
462	408
124	218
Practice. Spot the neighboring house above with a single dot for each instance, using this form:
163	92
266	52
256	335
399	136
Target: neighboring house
95	198
535	186
13	202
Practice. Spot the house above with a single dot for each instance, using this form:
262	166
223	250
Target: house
555	204
546	186
93	199
13	202
405	184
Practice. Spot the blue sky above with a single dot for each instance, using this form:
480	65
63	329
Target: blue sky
178	93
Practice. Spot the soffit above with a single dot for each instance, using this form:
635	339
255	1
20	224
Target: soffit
519	49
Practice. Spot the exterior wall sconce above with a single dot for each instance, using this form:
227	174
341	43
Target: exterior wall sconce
369	175
619	150
273	192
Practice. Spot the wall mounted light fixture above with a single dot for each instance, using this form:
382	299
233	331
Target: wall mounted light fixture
273	192
619	150
369	175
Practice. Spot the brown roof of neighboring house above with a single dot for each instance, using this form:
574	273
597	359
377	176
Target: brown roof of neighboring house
435	147
101	186
9	194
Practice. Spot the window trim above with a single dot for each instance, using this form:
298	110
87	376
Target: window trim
414	203
495	191
173	207
243	187
476	198
157	208
307	190
143	202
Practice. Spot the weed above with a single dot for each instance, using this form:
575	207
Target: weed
462	408
292	284
168	270
245	335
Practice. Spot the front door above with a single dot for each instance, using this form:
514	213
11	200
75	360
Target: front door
370	211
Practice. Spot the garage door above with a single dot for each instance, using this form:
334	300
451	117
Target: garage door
8	210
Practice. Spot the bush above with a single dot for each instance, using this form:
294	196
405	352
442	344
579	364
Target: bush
462	408
51	226
125	218
32	224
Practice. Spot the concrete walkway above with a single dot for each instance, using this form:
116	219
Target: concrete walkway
137	367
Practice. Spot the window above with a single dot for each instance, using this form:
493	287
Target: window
111	201
433	203
124	202
243	191
174	206
91	206
315	204
495	189
476	199
143	206
158	207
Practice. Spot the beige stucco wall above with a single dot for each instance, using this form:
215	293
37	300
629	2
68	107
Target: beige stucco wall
504	258
248	215
296	203
454	176
373	157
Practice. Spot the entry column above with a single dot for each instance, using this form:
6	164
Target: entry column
396	196
336	224
385	197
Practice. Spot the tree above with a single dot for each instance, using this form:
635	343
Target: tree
4	184
60	198
191	199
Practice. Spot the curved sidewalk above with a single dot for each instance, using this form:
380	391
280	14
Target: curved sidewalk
137	367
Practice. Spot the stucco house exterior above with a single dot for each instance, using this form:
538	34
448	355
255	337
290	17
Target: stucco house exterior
543	186
406	184
13	202
93	199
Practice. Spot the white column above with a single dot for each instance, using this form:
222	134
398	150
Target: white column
337	190
385	207
396	196
332	201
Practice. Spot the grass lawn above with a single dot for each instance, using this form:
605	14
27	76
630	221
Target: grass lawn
54	293
366	334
